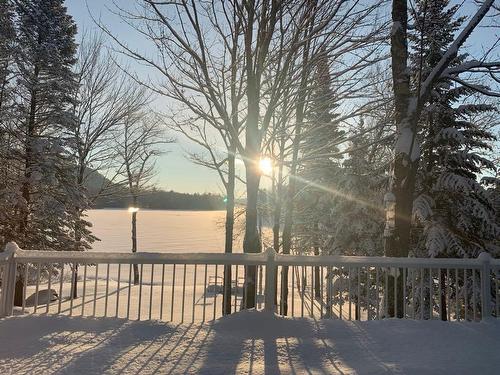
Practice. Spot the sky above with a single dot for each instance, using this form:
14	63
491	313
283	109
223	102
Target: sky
175	171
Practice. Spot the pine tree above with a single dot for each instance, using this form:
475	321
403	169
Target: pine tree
455	216
7	45
41	192
319	171
45	83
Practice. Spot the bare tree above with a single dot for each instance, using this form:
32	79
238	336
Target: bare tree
104	99
140	143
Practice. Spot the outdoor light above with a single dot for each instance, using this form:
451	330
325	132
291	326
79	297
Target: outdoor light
133	209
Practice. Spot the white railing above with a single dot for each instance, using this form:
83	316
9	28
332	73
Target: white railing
190	287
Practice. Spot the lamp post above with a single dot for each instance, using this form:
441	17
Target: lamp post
133	210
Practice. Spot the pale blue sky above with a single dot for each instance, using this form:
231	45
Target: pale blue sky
175	172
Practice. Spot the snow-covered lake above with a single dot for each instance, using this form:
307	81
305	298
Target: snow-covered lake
160	231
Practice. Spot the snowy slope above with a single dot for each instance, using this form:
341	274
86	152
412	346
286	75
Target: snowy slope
248	342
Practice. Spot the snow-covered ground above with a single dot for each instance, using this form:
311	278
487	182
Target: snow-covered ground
247	342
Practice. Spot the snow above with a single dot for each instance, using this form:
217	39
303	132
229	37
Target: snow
247	342
406	144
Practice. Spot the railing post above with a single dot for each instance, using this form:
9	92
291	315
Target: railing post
270	288
9	281
485	259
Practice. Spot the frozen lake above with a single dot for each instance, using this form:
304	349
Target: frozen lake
160	231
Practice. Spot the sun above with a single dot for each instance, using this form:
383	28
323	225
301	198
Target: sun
265	166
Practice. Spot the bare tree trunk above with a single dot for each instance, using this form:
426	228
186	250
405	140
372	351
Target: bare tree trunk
251	242
288	224
317	276
228	247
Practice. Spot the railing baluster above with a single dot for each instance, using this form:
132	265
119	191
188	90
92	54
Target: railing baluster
173	296
162	289
140	292
341	291
302	287
48	288
84	288
321	290
257	275
312	292
404	292
95	288
440	297
107	291
118	290
71	292
386	293
466	297
38	266
293	289
448	291
151	291
368	303
60	289
129	288
422	275
457	291
377	294
215	295
431	295
396	277
183	293
358	297
474	302
205	292
413	305
350	295
497	303
236	288
194	292
24	285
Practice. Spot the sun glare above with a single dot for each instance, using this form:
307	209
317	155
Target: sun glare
266	166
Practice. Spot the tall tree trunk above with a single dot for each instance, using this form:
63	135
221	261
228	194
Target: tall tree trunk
134	238
251	241
397	239
228	247
26	186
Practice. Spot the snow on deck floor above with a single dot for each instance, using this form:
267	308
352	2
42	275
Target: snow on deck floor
247	342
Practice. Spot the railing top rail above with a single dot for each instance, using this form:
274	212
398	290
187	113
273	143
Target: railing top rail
142	257
244	259
366	261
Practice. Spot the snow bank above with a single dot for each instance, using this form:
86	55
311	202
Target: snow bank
247	342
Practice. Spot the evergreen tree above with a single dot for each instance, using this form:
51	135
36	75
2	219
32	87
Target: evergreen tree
319	171
45	83
455	216
7	43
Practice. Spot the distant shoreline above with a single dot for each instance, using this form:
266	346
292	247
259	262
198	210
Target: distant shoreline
156	209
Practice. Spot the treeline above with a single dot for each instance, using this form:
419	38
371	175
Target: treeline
165	200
